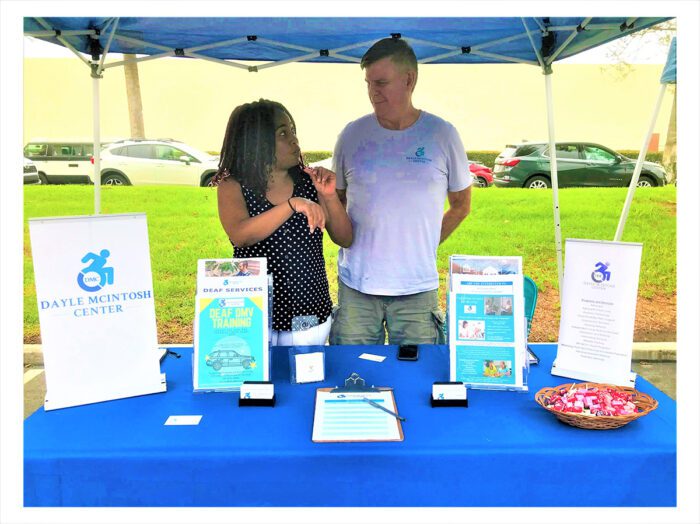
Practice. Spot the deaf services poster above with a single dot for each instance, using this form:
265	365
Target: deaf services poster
231	324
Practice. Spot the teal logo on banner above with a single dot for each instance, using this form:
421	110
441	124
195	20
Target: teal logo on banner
96	274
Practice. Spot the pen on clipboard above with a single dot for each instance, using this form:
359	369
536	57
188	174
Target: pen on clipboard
374	404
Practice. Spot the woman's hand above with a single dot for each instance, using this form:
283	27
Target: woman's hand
323	179
312	211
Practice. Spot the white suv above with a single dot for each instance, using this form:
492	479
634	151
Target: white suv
161	162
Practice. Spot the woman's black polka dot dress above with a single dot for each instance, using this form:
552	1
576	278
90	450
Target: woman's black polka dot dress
295	259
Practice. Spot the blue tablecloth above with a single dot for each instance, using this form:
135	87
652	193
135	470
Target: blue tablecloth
503	450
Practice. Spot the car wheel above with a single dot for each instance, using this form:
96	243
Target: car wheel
43	179
217	366
207	180
114	179
482	182
538	182
646	181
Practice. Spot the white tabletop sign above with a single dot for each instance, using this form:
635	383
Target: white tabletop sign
597	314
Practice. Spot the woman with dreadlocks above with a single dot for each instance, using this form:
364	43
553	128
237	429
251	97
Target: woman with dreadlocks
271	206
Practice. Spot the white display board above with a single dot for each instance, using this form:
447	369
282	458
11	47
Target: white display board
599	300
96	308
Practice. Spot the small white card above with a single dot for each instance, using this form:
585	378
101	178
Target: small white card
449	391
257	391
309	367
183	420
374	358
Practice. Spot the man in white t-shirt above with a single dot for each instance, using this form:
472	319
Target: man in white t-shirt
395	167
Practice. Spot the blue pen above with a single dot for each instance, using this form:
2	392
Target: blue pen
374	404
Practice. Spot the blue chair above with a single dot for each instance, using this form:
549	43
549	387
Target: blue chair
530	292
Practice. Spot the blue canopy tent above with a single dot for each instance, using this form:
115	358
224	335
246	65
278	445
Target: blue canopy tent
668	76
538	41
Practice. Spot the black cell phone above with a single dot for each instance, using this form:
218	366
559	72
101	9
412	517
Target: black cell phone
408	352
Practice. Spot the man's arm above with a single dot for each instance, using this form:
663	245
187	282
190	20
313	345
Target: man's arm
460	205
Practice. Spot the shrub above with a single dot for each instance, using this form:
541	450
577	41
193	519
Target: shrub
315	156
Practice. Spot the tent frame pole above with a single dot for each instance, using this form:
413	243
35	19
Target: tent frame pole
96	179
554	174
638	166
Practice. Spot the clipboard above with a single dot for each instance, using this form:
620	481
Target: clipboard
343	414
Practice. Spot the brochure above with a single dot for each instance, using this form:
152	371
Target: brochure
486	335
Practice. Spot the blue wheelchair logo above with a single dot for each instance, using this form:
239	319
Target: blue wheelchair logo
601	273
96	274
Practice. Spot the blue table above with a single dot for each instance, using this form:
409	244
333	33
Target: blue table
503	450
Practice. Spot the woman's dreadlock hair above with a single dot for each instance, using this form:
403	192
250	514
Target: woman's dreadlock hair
248	151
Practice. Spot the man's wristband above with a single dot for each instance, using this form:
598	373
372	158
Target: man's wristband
289	201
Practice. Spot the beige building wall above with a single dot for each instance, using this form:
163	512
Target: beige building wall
490	105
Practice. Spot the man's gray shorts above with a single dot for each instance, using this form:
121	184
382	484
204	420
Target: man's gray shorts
366	319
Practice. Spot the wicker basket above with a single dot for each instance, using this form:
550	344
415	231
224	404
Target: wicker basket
644	402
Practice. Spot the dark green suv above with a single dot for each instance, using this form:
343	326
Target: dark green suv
579	164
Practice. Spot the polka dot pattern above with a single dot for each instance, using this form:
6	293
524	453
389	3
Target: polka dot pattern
295	259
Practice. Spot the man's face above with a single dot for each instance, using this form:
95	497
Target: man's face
389	88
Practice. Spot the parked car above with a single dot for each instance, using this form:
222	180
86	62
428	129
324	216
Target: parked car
165	161
579	164
62	161
31	174
221	358
482	175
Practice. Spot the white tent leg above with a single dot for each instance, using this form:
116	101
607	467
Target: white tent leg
96	140
555	178
638	166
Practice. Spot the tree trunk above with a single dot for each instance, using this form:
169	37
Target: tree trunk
669	158
133	97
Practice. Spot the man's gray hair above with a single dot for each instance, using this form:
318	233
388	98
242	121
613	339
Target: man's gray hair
395	48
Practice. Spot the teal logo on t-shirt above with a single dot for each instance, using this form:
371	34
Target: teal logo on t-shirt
419	157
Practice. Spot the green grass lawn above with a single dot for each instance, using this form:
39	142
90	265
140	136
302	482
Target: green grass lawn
183	226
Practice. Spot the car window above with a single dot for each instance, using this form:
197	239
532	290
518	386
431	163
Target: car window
597	154
527	150
119	151
140	151
164	152
566	151
508	152
35	150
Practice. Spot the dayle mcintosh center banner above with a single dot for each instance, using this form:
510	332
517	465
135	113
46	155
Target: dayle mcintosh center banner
96	308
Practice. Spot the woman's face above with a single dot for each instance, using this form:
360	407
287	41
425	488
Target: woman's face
287	150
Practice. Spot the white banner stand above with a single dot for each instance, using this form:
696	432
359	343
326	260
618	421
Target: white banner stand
597	312
96	308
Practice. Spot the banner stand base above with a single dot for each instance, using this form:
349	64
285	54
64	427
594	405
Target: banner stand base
628	380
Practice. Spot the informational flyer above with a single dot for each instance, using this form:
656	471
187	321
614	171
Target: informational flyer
486	330
598	307
231	324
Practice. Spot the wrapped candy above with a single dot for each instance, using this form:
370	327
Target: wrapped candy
595	402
